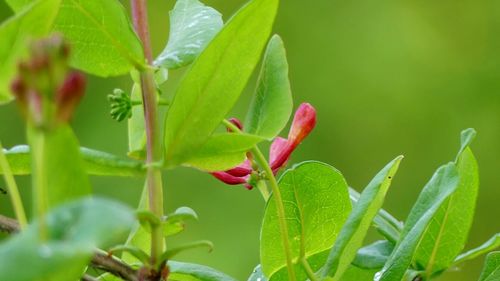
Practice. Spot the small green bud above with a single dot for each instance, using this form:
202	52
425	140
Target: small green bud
121	105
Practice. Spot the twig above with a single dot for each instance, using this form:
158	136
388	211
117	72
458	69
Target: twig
100	260
8	225
87	277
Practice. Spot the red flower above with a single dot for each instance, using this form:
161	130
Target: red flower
280	151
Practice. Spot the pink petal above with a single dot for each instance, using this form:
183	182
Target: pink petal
244	169
303	123
228	179
277	146
235	122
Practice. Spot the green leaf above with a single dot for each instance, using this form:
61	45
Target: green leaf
222	151
354	230
317	204
447	233
491	269
192	26
75	230
257	274
384	222
272	104
216	79
354	273
136	127
167	255
491	244
95	162
101	36
442	185
175	223
181	271
18	5
374	255
466	138
34	20
63	170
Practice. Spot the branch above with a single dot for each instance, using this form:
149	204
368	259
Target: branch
100	260
8	225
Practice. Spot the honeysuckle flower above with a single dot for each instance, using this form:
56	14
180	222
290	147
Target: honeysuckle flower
280	151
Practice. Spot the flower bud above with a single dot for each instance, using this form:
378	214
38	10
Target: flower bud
242	170
228	179
121	105
235	122
279	153
303	123
69	94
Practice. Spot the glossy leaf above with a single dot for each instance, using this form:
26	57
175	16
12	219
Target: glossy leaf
95	162
491	269
384	222
491	244
447	233
181	271
272	104
355	228
222	152
192	26
374	255
75	230
101	36
63	170
33	20
216	79
441	186
317	204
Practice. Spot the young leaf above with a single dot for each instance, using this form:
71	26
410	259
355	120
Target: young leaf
384	222
316	204
272	104
101	35
442	185
491	244
192	26
63	170
374	255
222	151
216	79
74	233
354	230
95	162
447	233
491	269
182	271
34	20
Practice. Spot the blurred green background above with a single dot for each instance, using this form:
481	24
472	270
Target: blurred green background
387	77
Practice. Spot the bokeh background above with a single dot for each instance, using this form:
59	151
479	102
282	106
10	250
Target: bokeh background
387	77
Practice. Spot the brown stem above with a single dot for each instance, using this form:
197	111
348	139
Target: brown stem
8	225
100	260
153	141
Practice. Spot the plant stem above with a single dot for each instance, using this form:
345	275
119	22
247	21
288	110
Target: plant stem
12	189
280	207
40	194
153	141
308	269
262	186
